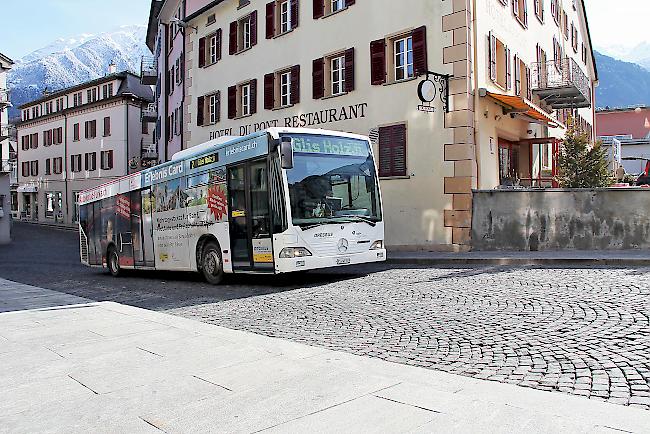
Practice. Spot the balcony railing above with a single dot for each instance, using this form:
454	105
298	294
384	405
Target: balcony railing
148	151
561	85
148	70
149	113
6	131
10	167
4	98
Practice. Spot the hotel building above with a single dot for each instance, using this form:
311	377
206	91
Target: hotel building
78	138
455	95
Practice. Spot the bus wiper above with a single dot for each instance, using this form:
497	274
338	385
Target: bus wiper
314	225
368	220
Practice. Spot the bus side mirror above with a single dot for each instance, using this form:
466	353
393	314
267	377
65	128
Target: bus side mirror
286	152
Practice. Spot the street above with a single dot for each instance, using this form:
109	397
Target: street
579	331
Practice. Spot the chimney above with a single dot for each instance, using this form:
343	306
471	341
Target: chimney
112	68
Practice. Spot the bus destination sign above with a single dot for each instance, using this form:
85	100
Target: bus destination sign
323	145
204	160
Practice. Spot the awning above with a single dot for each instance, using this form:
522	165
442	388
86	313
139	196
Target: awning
27	188
522	107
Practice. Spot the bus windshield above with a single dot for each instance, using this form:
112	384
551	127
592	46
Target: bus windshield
333	181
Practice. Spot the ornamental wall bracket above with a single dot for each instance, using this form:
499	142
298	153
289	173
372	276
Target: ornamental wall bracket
435	85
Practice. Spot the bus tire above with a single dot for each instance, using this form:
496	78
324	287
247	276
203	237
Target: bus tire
212	263
113	262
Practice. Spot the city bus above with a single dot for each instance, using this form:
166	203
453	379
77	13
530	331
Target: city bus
277	201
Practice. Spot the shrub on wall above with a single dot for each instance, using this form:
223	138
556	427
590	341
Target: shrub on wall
581	165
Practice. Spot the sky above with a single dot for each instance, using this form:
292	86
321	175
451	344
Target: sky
36	23
611	23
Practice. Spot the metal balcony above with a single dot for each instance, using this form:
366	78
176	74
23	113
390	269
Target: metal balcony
148	70
562	85
148	152
6	131
149	113
10	167
4	98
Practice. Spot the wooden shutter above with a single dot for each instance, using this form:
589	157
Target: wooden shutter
270	20
318	78
319	9
349	70
492	40
349	2
253	84
295	14
529	88
200	108
515	7
517	76
378	62
233	37
107	126
420	62
295	84
392	151
508	69
232	102
219	42
87	129
269	91
110	159
253	28
201	52
526	12
181	66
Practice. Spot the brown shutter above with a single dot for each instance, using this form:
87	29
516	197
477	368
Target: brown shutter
508	70
269	91
295	14
232	102
219	42
517	76
218	113
295	84
201	52
349	70
378	62
110	159
492	43
529	89
233	37
318	78
319	9
420	61
270	20
392	151
349	3
253	84
253	28
200	106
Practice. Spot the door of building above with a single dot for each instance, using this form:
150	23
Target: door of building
508	162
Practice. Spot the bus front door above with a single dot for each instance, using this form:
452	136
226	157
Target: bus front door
250	220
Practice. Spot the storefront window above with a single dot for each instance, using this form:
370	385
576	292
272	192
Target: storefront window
53	203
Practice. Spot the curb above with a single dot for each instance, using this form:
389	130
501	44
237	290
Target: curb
74	228
519	261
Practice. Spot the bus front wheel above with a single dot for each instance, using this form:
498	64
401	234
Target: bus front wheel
113	262
212	264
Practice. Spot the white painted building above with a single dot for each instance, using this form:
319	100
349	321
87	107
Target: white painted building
78	138
7	154
516	70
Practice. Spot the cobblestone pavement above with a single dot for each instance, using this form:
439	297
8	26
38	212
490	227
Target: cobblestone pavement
574	330
579	331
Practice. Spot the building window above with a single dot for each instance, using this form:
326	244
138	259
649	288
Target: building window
34	168
208	109
25	168
33	140
406	57
285	16
542	72
555	11
392	150
243	33
245	93
107	126
91	95
281	17
539	9
337	75
75	132
210	49
91	129
76	99
522	79
25	142
75	163
520	10
557	54
242	99
215	44
107	90
574	37
565	25
333	75
213	108
57	165
58	136
47	137
324	8
53	203
499	65
47	167
90	161
107	160
282	88
285	89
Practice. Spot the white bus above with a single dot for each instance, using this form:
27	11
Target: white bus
276	201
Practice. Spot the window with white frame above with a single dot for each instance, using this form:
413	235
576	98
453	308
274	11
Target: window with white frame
403	49
337	68
337	5
213	108
213	51
285	88
246	100
285	16
245	30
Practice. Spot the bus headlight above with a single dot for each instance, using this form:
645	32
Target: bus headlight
377	245
294	252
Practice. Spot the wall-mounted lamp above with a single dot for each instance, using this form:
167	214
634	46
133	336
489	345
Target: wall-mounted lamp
182	24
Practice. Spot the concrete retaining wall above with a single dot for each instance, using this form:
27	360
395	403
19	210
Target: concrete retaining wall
580	219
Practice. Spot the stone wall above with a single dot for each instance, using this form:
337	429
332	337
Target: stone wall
580	219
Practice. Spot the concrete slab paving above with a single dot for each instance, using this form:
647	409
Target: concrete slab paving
86	366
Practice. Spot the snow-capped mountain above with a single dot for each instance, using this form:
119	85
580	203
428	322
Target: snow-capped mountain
67	62
639	53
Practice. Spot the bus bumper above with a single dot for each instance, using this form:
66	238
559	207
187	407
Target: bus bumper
287	265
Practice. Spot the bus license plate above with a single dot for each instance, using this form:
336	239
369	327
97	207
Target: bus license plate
342	261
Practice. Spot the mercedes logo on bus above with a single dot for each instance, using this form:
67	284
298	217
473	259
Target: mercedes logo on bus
343	245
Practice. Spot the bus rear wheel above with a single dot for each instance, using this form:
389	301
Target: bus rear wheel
212	264
113	259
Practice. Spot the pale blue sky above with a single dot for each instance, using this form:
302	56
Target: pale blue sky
32	24
36	23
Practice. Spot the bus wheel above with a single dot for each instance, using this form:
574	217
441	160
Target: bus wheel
211	263
113	262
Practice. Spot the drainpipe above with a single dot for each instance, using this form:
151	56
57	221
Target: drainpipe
477	153
127	156
65	164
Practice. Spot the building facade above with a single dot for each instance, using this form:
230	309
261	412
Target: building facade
78	138
455	95
7	149
625	131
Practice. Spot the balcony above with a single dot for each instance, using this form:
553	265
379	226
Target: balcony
148	71
148	152
6	131
562	85
149	113
4	98
10	167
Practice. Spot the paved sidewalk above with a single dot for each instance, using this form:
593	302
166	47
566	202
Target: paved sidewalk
74	365
552	257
